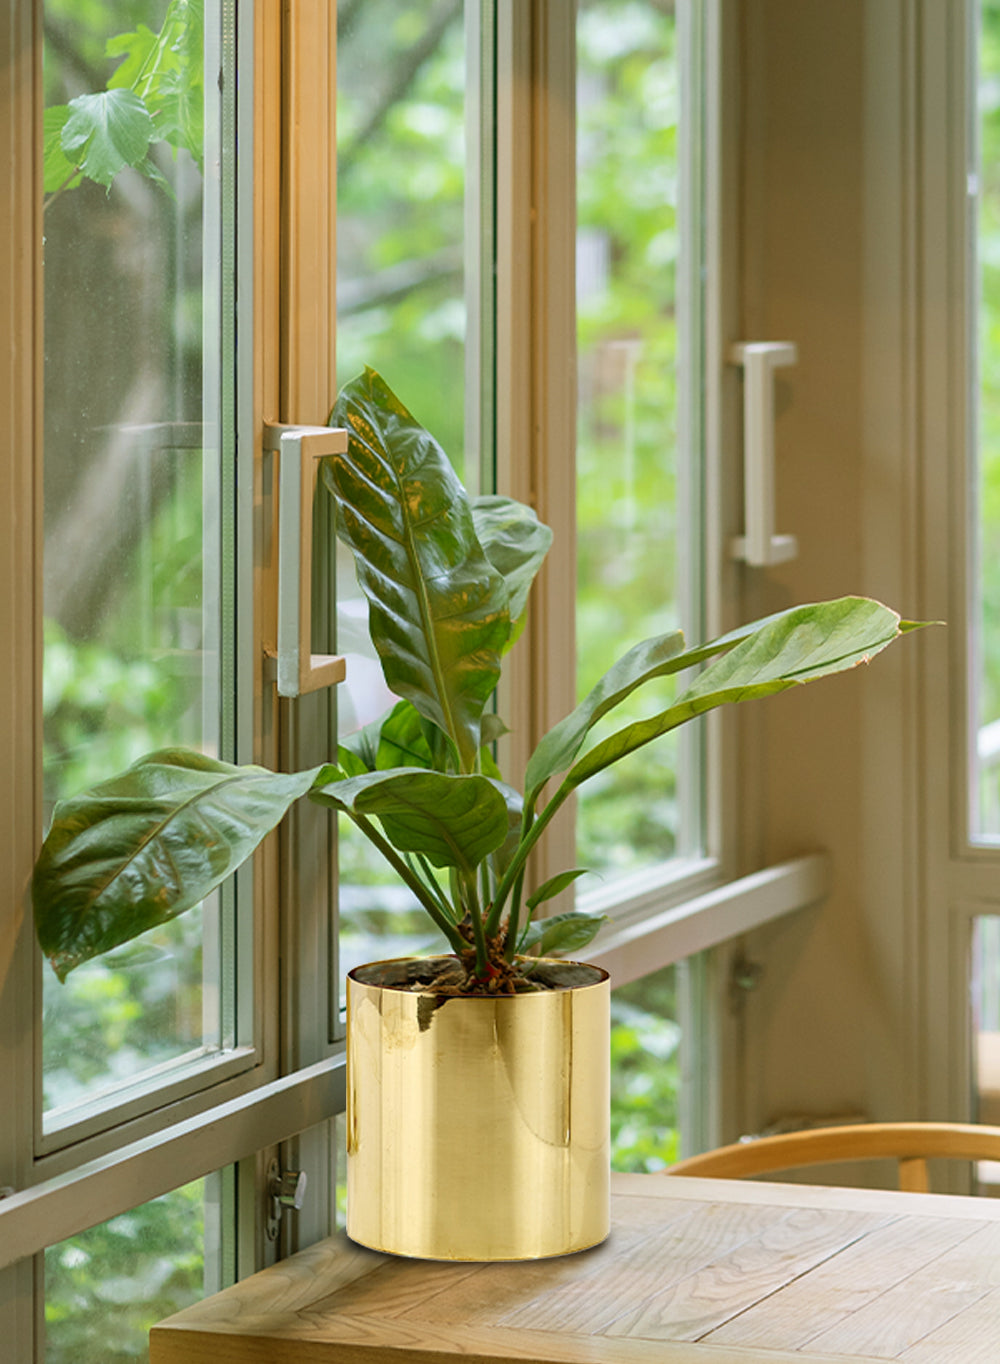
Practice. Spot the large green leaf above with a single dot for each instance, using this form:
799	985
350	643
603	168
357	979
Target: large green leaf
455	821
797	646
515	542
557	749
106	132
143	847
438	612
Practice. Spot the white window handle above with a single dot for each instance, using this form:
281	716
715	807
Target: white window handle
759	544
299	448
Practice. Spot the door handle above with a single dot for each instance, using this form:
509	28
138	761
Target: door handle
299	448
758	544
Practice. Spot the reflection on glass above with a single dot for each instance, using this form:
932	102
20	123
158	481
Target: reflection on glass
406	155
105	1288
132	378
985	605
645	1073
627	454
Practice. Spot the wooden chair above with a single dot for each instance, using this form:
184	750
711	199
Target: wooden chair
911	1144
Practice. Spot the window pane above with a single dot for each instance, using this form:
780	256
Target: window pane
985	1010
630	480
105	1288
645	1073
411	225
985	758
135	357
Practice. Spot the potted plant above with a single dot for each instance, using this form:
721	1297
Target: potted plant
488	1057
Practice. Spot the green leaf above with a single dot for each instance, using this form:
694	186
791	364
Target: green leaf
165	70
403	739
137	51
557	749
58	171
515	542
562	933
437	608
400	738
107	132
796	646
143	847
358	752
455	821
550	888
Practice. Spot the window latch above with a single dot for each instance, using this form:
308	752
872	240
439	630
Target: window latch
286	1190
759	545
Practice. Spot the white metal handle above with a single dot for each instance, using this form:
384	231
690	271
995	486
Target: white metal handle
758	544
299	448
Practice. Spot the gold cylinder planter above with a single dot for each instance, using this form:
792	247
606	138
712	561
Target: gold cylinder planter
477	1128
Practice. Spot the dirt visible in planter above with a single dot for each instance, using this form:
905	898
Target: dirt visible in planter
450	977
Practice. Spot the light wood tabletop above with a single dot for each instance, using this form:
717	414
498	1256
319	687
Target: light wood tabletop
695	1270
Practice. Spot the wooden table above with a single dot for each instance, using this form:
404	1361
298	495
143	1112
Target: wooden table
695	1270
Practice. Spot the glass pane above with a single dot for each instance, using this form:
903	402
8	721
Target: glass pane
134	364
411	221
985	612
985	1011
105	1288
631	544
645	1073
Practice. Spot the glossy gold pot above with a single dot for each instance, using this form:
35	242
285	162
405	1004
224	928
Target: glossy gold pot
477	1129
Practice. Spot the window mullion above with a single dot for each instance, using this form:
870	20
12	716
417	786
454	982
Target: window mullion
307	725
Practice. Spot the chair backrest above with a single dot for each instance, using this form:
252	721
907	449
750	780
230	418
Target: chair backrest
911	1144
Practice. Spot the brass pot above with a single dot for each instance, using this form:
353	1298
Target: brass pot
477	1128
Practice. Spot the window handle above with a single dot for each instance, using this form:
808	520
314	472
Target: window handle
299	448
758	544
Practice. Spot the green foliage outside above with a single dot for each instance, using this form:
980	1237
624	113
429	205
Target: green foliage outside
401	82
155	94
105	1288
645	1073
627	451
121	660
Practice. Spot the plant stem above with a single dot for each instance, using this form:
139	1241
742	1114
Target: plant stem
478	930
430	881
514	918
64	186
515	871
411	879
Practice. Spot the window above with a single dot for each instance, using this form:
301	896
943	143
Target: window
139	379
484	237
639	458
140	340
